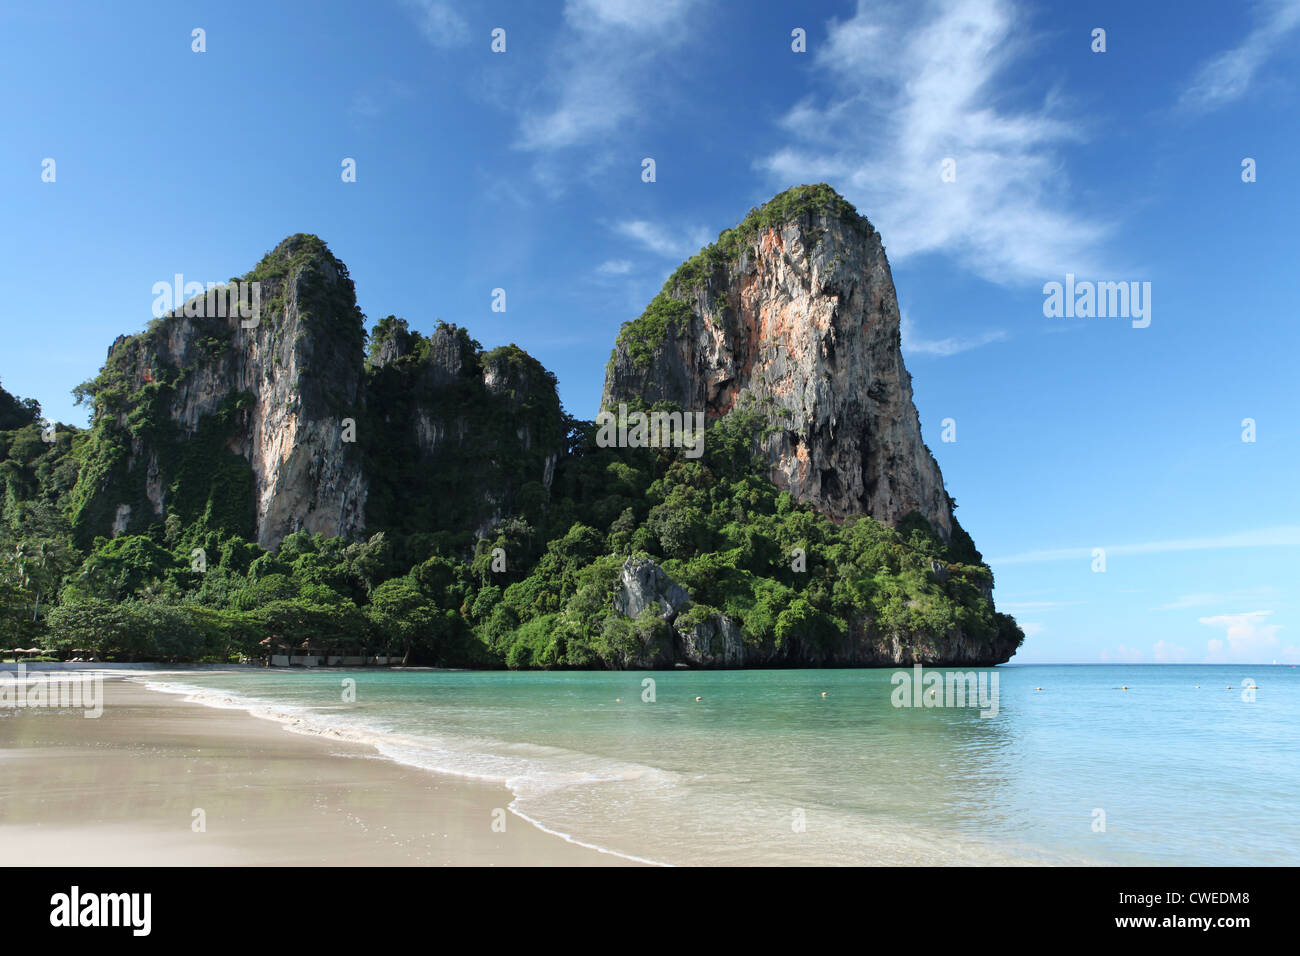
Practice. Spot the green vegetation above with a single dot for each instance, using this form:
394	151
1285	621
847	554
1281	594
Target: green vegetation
497	528
432	421
663	318
441	597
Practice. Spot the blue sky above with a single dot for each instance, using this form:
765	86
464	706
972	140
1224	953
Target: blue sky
522	170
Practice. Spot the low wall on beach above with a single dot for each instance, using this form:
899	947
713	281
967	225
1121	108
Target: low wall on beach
277	660
39	666
316	660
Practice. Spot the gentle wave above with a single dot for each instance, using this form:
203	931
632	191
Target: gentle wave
521	776
563	792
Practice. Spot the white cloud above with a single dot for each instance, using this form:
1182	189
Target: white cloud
1167	652
1209	598
661	241
1125	655
363	104
442	26
1281	536
1031	628
602	70
1016	607
615	267
911	93
914	344
1247	639
376	98
1227	75
629	14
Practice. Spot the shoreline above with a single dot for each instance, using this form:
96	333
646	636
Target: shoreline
159	779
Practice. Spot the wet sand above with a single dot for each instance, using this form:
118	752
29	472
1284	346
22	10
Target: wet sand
121	790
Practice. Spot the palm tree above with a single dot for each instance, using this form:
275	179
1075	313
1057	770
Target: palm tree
32	560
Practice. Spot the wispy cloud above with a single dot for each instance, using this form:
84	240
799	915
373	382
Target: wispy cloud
601	73
1167	652
910	93
363	104
615	267
1281	536
441	25
1247	639
662	241
1210	599
915	344
1226	76
377	98
1019	607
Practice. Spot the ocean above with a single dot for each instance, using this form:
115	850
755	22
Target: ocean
1187	765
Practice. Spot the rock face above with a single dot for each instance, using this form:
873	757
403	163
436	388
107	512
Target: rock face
705	637
278	393
305	431
442	410
793	314
714	641
645	585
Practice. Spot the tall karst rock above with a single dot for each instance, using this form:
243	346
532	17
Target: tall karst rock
266	428
461	437
793	314
239	420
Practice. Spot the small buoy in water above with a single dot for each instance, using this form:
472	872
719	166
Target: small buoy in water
1229	687
699	698
618	700
823	693
1037	688
1124	687
1198	686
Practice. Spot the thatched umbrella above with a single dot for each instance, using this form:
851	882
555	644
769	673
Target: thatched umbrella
272	644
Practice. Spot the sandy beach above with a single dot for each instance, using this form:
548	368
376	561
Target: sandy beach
123	789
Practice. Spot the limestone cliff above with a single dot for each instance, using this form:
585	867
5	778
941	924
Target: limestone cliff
267	426
272	391
460	437
700	636
793	314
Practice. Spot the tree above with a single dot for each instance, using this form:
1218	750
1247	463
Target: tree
400	609
119	567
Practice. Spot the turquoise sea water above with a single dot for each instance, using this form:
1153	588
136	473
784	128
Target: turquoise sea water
1183	775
